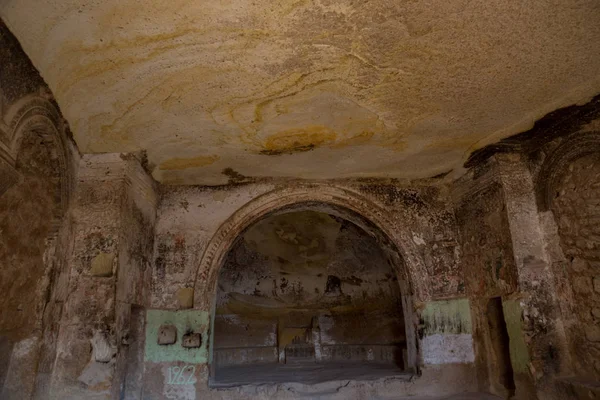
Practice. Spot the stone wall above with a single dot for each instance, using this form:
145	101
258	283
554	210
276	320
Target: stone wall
110	280
129	276
489	269
576	207
566	170
189	217
197	226
549	238
113	224
37	165
26	230
487	257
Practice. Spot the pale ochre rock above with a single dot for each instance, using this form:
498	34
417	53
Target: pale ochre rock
185	297
102	265
102	349
309	89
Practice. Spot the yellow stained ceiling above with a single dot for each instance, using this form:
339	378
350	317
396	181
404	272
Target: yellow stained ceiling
310	89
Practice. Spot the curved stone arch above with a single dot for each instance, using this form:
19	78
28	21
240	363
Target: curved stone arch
37	114
279	199
320	197
573	147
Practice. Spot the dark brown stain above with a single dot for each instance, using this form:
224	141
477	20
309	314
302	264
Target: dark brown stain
441	175
393	194
561	122
18	76
289	150
333	285
234	176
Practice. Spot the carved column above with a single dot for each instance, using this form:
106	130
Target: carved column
113	214
542	351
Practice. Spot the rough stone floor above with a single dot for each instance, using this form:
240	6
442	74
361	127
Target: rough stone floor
302	373
311	374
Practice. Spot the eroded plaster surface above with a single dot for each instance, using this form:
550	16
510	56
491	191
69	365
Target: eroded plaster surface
576	206
310	89
185	322
447	336
499	286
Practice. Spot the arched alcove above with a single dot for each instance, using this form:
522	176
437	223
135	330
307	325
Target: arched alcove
342	202
34	118
391	233
27	226
309	296
32	249
326	197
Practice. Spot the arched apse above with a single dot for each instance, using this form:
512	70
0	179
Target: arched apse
339	202
37	116
304	291
33	247
557	162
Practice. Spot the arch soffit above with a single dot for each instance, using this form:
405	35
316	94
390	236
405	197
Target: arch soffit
34	113
573	147
226	234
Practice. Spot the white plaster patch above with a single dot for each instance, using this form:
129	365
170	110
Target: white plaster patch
370	355
103	350
24	347
448	349
271	339
97	374
418	239
326	324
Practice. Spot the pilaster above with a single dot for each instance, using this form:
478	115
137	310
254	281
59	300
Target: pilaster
113	213
539	348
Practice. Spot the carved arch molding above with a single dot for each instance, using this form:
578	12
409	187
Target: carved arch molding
35	114
344	202
574	146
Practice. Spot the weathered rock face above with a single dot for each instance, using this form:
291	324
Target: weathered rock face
478	269
115	286
26	226
487	255
317	89
36	168
576	209
490	275
26	211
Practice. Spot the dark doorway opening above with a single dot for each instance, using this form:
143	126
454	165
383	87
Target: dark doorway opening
502	378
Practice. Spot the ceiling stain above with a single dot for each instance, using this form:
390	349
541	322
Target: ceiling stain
298	140
375	89
184	163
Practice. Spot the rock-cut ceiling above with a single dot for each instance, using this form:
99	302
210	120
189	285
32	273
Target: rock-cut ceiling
307	88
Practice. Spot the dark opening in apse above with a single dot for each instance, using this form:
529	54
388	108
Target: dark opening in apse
305	296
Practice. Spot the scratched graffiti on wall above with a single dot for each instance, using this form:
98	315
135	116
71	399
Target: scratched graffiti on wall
180	382
185	375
